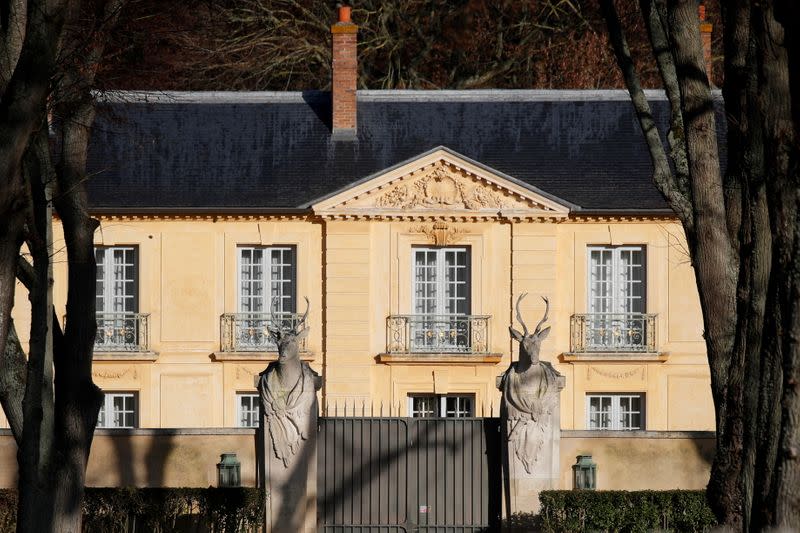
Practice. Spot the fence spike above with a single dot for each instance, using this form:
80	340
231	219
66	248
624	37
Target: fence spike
336	408
381	411
363	407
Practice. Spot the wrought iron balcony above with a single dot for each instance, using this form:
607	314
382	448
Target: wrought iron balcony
249	332
122	332
613	332
437	334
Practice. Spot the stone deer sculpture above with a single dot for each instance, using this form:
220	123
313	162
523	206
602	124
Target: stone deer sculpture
288	390
530	391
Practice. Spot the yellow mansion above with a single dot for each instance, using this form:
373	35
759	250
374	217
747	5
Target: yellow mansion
411	221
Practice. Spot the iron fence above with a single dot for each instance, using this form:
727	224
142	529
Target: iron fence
122	332
613	332
437	334
249	332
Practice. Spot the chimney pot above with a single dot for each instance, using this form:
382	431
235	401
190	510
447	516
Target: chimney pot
344	13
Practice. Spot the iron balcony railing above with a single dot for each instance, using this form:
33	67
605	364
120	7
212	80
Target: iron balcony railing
467	334
613	332
249	332
122	332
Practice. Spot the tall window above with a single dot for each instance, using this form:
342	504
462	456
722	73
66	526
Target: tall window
116	286
617	291
615	411
116	297
248	408
441	299
616	279
441	405
119	410
267	278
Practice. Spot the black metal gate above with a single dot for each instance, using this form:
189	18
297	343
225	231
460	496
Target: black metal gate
404	475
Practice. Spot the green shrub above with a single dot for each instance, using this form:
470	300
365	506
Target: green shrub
623	511
132	510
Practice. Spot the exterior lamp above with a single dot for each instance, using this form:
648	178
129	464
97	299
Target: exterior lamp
584	473
229	471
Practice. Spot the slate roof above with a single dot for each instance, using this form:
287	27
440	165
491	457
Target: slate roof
274	151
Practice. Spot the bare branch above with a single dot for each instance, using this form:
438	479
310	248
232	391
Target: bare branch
662	173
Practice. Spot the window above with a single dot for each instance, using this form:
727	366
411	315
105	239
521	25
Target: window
248	408
119	410
617	279
116	297
441	299
446	406
615	411
267	278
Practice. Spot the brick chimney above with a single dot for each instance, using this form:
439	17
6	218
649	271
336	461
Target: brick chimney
345	74
705	36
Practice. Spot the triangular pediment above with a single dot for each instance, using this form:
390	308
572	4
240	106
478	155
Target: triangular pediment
441	183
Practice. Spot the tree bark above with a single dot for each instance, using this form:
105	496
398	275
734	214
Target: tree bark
744	237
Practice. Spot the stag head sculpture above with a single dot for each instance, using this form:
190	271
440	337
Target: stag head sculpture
529	343
288	339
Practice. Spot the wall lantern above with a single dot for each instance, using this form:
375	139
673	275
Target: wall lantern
584	473
229	471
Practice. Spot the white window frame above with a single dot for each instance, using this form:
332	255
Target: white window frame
107	418
617	419
621	298
287	303
110	301
440	280
254	398
440	406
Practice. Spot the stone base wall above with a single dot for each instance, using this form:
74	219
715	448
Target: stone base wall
188	457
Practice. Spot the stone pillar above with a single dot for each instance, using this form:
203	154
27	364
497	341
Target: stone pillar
524	477
289	456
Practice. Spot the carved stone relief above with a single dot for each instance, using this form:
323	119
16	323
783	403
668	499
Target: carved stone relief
439	233
109	374
441	187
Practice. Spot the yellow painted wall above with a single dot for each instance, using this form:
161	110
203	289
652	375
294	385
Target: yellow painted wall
188	458
355	274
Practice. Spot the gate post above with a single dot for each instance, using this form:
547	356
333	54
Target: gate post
288	390
530	413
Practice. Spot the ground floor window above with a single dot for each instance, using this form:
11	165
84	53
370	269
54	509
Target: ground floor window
119	410
247	409
441	405
615	411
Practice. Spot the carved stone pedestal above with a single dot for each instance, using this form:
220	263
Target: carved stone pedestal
531	456
289	444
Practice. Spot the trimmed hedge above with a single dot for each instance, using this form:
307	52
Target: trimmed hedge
133	510
623	511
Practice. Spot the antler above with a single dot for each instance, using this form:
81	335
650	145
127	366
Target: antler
305	315
544	318
519	314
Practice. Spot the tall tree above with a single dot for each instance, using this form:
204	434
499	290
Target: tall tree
49	50
743	230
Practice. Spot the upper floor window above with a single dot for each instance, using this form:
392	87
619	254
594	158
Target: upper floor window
441	281
120	326
441	405
615	411
248	407
116	288
616	279
119	410
616	320
267	279
266	294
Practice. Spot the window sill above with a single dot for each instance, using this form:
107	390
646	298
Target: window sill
439	358
125	356
256	356
614	356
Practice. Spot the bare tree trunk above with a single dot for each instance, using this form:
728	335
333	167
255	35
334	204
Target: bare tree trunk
744	237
